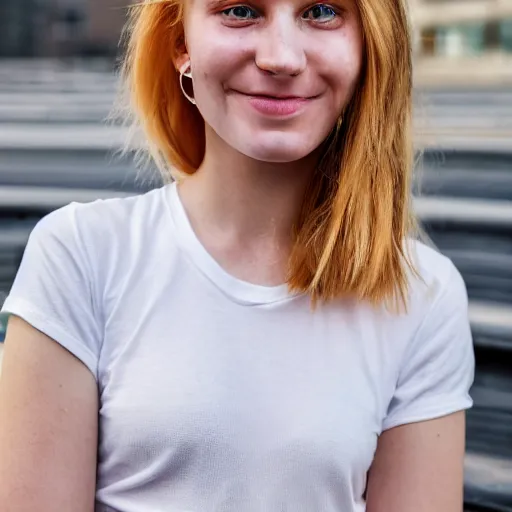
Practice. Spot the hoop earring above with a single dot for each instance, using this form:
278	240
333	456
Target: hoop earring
187	72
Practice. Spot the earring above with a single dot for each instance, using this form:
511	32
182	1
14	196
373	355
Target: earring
187	72
339	122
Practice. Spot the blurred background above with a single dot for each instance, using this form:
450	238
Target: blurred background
57	84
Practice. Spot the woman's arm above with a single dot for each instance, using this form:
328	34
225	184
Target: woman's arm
419	467
48	426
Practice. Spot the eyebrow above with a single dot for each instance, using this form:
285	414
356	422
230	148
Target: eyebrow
218	4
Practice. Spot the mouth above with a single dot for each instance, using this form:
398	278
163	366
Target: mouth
275	104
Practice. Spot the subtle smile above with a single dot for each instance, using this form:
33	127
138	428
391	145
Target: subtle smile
276	105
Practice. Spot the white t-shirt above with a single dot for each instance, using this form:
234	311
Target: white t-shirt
222	396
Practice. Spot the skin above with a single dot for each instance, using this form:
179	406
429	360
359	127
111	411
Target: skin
242	203
48	425
278	48
245	197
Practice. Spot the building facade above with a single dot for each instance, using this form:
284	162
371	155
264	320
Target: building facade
456	42
105	21
60	28
19	20
463	42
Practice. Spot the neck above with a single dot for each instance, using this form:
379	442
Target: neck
249	199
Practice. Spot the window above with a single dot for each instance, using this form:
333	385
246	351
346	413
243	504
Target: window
468	39
460	40
505	31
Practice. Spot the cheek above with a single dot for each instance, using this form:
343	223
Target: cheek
216	55
354	53
208	87
210	76
343	68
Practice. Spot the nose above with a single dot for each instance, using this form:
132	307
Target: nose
280	50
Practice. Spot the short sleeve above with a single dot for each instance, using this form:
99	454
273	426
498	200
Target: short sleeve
53	289
438	368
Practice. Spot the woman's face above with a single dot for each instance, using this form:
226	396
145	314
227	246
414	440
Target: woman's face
271	77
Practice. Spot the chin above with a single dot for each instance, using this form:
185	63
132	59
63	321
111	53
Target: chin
278	149
277	156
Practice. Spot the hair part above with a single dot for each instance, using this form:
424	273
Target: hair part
351	239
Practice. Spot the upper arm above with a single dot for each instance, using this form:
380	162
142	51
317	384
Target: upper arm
419	460
419	467
48	425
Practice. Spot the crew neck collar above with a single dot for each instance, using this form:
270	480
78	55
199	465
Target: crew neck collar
236	289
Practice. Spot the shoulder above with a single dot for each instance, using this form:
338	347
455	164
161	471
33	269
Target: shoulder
105	238
439	308
112	211
437	302
435	279
103	220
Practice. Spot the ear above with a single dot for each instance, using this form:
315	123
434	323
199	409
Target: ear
182	61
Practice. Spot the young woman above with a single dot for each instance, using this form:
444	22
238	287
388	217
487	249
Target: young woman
265	334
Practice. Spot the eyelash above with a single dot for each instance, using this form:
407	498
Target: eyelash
335	12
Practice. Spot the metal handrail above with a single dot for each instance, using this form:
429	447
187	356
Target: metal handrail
474	506
50	198
491	325
497	213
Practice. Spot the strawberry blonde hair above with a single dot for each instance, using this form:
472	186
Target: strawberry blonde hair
357	215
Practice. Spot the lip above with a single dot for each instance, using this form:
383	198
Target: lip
277	106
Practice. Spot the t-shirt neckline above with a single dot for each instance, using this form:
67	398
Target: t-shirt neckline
240	291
